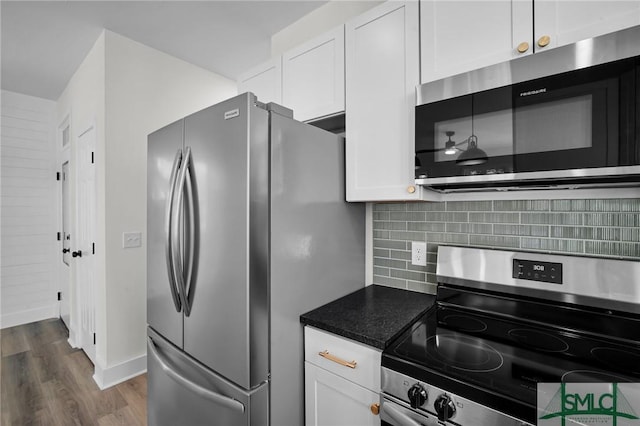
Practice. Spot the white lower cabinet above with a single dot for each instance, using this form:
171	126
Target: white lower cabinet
334	400
342	381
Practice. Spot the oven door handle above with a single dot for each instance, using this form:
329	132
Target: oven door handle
399	418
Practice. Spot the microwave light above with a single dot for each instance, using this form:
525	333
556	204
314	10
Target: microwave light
450	146
450	151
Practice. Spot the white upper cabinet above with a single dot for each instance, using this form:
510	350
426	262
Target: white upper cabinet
459	36
561	22
265	81
313	77
308	79
382	61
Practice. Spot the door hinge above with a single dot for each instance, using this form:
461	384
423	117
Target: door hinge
94	338
59	295
91	157
93	248
59	236
57	175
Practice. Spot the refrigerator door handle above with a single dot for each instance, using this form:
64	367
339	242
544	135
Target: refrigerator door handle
194	387
168	216
176	228
191	237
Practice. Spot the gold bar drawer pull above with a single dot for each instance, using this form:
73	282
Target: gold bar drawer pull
327	355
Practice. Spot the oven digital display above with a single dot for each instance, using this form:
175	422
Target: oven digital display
548	272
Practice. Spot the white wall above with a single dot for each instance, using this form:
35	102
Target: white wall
145	90
28	290
324	18
127	90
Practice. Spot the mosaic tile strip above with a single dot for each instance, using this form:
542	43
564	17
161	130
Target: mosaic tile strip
606	228
470	228
552	218
521	205
427	226
494	217
408	216
468	206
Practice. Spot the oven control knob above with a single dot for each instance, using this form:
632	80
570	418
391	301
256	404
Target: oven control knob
445	408
417	396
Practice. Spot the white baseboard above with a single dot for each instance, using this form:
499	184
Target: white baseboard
30	315
72	339
111	376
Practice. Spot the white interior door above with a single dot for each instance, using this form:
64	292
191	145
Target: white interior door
64	223
84	240
65	257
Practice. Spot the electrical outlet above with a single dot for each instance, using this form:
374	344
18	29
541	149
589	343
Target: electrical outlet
418	253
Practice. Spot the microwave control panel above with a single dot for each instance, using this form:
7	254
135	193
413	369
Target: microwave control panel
548	272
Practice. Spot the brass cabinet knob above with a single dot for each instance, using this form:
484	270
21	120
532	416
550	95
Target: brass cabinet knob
375	408
523	47
411	189
544	40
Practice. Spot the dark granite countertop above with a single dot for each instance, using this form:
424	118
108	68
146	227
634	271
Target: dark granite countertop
374	315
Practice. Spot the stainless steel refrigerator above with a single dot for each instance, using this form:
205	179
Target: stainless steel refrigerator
247	228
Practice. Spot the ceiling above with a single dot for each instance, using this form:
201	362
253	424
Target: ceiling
44	42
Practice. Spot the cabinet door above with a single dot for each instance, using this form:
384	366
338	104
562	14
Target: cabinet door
382	57
566	22
459	36
313	77
265	81
333	400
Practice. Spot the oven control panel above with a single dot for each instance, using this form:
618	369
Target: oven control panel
548	272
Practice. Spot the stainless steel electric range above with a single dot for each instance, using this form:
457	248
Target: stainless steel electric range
503	322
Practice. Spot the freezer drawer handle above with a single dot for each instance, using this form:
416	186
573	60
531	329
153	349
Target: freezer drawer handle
194	387
167	224
327	355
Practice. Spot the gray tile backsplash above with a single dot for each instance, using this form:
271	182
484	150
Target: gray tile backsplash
605	228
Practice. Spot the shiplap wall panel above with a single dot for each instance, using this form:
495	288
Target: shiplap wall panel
28	212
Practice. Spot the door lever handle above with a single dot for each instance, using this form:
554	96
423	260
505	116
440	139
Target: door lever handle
76	253
66	250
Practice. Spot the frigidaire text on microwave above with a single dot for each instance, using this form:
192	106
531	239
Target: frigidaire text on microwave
567	117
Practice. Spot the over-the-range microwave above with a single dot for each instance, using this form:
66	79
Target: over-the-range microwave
567	117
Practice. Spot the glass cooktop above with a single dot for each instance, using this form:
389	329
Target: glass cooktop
499	361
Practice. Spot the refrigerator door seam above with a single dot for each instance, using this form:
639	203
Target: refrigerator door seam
194	387
168	222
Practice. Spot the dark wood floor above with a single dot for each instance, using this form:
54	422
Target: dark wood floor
46	382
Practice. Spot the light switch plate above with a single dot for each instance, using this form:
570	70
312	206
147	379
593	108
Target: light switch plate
131	239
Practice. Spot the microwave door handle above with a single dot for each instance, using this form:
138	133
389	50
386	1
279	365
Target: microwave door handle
190	208
176	229
223	400
168	216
